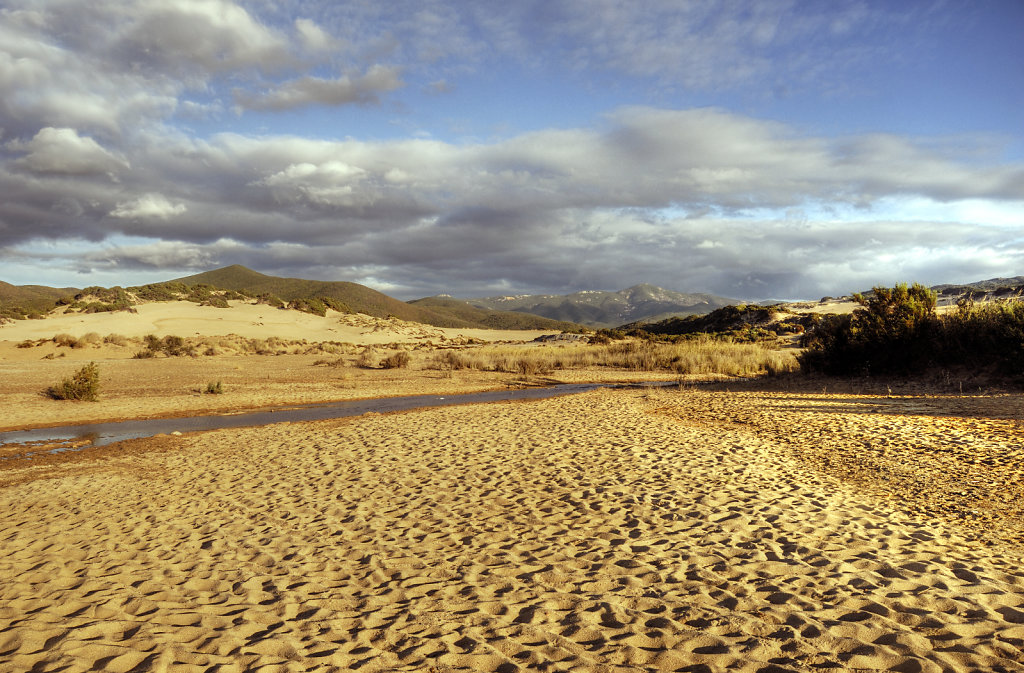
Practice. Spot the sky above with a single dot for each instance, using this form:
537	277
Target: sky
778	149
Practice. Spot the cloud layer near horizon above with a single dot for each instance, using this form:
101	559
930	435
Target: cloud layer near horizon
100	177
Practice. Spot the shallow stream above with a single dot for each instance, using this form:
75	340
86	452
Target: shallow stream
72	437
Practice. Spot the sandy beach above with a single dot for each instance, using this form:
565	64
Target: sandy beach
678	530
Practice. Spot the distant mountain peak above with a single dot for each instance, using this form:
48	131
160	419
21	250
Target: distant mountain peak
599	308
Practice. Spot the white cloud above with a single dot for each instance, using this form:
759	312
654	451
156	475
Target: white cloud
62	150
314	37
148	206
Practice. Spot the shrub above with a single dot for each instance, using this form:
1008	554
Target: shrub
270	300
309	305
398	360
336	305
896	332
160	291
84	385
170	345
987	335
214	388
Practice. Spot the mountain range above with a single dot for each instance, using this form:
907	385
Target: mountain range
596	308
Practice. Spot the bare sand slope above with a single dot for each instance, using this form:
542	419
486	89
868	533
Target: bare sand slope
257	321
592	533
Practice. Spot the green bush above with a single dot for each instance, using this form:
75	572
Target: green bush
84	385
270	300
898	332
160	291
216	301
170	345
214	388
987	335
894	332
309	305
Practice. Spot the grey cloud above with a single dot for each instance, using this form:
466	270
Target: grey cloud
551	210
364	89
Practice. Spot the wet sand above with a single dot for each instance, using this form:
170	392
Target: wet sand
692	530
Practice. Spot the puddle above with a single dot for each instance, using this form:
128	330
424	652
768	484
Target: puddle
76	437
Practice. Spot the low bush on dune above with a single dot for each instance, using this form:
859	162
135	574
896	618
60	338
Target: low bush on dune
217	301
83	385
170	345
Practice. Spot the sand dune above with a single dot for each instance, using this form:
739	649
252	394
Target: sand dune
614	531
183	318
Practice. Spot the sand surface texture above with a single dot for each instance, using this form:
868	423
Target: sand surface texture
611	531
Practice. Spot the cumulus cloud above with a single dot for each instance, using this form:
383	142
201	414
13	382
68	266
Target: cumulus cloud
148	206
64	151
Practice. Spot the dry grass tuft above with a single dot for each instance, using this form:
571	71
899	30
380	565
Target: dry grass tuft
694	357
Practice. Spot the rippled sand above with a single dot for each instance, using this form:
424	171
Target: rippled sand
618	530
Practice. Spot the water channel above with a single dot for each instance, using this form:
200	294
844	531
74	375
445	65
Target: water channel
70	437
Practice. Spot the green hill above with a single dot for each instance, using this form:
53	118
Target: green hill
22	300
462	310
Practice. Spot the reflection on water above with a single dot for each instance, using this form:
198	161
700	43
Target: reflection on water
72	437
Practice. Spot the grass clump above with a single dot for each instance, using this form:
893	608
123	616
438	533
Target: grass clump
64	339
367	359
696	356
115	339
214	388
399	360
83	385
90	339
